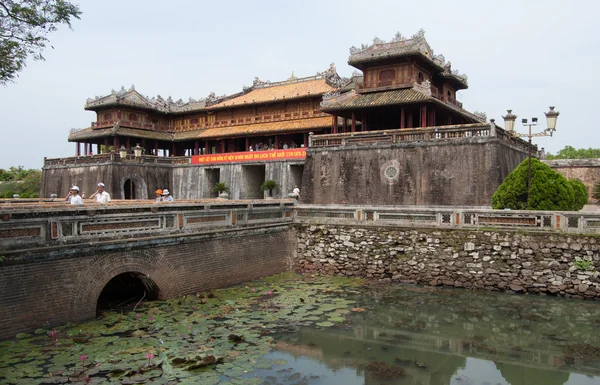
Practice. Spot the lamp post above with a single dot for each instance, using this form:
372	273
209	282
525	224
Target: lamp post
509	123
123	152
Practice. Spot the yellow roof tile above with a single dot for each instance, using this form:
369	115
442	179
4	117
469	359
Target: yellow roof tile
278	93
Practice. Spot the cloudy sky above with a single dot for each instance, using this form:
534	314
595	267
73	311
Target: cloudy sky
525	55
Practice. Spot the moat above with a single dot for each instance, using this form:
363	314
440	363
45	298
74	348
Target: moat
290	329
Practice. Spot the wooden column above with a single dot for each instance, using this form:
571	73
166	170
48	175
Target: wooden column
409	123
334	125
98	149
128	143
223	145
431	121
196	147
207	147
115	144
106	144
277	142
353	126
174	153
345	125
156	147
77	149
305	135
402	117
247	143
423	118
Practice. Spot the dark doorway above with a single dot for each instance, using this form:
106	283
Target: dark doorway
212	177
126	290
129	189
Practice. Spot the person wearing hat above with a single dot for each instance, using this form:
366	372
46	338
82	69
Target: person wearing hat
101	195
167	196
159	197
75	197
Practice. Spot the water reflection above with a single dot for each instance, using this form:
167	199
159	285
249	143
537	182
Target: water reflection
448	336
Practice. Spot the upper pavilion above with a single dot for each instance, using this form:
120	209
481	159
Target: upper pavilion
403	85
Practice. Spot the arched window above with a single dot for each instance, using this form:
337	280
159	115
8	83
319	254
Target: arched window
387	77
420	78
133	117
449	95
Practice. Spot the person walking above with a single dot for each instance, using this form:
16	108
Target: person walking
75	197
296	192
167	196
101	195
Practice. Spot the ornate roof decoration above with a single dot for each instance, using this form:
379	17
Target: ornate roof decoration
402	46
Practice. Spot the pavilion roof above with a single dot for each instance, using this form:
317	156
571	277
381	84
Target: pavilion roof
294	125
92	133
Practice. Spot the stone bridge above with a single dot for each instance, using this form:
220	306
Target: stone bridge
61	263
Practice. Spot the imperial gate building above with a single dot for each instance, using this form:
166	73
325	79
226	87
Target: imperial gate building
393	133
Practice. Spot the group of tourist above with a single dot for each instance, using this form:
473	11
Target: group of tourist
163	196
265	147
75	198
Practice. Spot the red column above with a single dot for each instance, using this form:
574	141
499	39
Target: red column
247	143
305	139
115	144
106	144
410	120
277	142
196	147
174	153
206	147
77	149
345	125
401	117
128	142
156	148
353	127
431	121
334	124
223	145
423	120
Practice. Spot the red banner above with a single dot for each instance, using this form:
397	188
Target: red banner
250	156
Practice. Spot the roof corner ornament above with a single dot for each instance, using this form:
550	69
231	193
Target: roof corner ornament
132	88
293	77
419	35
480	115
377	40
398	37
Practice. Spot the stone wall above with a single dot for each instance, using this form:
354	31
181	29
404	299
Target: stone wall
461	171
585	170
55	289
492	260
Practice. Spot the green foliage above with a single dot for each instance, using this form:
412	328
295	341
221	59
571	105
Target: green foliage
596	192
20	181
9	194
582	265
24	27
570	152
580	194
220	187
269	185
549	189
24	195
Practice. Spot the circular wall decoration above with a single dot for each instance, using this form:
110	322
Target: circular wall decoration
390	171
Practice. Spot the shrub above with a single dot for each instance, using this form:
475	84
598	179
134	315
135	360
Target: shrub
549	189
596	192
9	194
269	185
580	194
24	195
220	187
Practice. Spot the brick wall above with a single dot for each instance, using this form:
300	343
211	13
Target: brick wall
55	289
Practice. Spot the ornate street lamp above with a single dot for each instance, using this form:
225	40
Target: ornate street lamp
509	123
123	152
137	150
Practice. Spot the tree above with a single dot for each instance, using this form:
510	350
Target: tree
24	27
580	194
220	188
549	189
569	152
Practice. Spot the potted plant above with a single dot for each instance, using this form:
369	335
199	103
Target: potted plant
221	190
269	185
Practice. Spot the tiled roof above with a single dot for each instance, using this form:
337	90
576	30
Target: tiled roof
266	128
90	133
374	99
272	93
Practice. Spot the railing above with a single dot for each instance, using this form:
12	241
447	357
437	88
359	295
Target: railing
26	226
402	135
449	217
115	158
391	83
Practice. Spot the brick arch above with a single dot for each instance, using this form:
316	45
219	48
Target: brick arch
101	269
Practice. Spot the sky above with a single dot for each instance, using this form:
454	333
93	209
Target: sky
523	55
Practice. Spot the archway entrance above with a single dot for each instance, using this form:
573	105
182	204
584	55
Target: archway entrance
129	188
125	291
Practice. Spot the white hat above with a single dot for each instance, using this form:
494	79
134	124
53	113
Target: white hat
165	192
100	184
75	188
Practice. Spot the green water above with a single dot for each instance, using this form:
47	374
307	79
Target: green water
293	330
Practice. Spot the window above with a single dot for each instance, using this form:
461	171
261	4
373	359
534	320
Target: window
386	77
420	78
